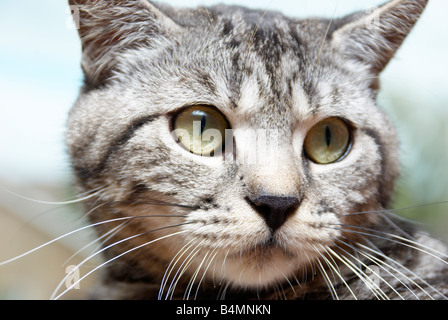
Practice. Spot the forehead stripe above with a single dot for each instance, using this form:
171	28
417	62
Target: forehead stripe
116	145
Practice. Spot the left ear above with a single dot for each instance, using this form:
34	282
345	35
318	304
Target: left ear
373	38
108	27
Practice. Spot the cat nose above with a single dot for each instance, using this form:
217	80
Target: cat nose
274	209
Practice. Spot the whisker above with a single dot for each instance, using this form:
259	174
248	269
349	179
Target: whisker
181	270
193	278
205	271
290	284
115	257
330	269
359	273
96	207
423	246
312	264
396	209
78	230
95	192
224	291
414	245
107	236
390	259
396	226
367	267
338	272
223	265
157	203
297	281
327	279
378	252
171	266
382	265
214	270
280	292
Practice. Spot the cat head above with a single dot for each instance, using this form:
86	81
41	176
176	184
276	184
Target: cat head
239	143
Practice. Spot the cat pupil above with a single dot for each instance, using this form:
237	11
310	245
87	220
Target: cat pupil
328	135
203	121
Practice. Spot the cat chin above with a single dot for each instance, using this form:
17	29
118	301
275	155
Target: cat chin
258	268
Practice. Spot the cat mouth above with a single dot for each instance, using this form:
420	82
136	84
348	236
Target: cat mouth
260	265
264	250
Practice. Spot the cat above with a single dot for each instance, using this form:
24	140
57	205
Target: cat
238	153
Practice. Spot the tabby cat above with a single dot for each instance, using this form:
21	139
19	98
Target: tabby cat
236	153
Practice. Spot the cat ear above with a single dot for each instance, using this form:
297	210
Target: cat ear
108	27
374	37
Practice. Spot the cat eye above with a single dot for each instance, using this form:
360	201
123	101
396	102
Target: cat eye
200	130
328	141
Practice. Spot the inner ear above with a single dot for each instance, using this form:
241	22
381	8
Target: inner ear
374	37
110	27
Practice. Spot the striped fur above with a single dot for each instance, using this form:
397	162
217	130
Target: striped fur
192	232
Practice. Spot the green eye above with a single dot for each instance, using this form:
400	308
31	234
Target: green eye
328	141
200	130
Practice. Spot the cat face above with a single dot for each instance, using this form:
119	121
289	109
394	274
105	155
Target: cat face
238	143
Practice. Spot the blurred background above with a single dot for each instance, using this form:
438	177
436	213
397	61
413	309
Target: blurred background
39	80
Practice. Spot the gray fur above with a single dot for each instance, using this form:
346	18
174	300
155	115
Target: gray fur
262	70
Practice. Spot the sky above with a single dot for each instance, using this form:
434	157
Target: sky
40	74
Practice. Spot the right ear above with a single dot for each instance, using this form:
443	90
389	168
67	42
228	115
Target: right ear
108	27
373	39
